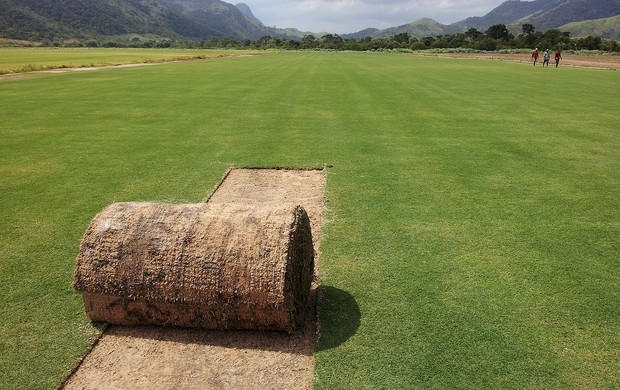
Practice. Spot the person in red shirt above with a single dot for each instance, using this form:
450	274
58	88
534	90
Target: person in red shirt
558	57
535	56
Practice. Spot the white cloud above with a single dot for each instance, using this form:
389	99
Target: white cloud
347	16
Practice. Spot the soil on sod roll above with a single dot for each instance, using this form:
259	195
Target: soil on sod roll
197	265
154	357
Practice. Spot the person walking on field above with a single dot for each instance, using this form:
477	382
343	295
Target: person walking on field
558	57
546	57
535	56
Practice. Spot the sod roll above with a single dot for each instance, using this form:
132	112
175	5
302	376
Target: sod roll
195	265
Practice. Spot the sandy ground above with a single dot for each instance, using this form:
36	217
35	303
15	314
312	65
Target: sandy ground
165	358
10	76
611	62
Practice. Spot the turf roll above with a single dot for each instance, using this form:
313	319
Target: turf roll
197	265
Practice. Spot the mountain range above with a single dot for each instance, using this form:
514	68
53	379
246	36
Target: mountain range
542	14
38	20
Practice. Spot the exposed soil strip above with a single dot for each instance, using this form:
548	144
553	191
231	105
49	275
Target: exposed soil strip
65	69
165	358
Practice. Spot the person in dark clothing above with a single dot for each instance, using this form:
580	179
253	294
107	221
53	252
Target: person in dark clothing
546	57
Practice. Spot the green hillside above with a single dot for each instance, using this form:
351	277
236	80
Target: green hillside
36	20
171	19
605	28
543	14
424	27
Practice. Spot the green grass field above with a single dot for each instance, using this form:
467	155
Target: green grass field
474	206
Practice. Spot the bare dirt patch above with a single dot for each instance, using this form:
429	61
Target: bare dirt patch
87	68
145	357
19	75
13	74
583	61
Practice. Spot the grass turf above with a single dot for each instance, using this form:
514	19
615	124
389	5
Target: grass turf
474	211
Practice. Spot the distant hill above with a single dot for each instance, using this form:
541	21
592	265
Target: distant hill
605	28
173	19
213	19
543	14
420	28
293	33
39	20
368	32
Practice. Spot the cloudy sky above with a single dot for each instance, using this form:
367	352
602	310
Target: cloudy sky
348	16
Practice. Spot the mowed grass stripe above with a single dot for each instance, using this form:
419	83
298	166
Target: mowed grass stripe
473	205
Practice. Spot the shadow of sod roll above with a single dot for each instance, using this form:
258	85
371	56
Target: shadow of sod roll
339	317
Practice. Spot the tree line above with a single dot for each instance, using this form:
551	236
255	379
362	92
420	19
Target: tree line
496	37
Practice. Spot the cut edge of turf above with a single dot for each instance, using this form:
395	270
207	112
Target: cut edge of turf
102	326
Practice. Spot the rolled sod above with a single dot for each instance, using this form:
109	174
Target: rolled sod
197	265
